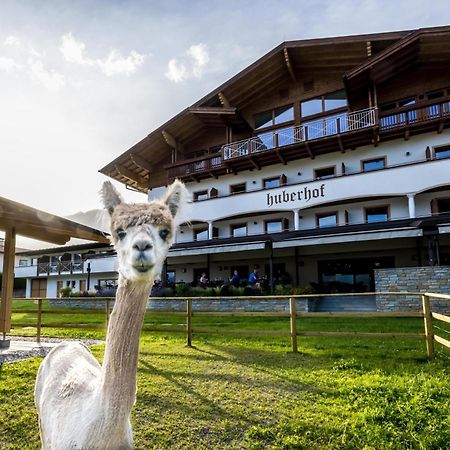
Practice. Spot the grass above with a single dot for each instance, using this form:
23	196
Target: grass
253	393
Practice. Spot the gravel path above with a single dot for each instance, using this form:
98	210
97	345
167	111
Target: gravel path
13	355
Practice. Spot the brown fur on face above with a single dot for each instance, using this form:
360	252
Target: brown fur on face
130	215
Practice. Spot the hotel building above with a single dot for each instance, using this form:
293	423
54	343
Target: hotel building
323	160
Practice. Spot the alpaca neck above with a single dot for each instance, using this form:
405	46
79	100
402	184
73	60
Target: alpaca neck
118	381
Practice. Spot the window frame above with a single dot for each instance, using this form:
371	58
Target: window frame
244	183
327	214
388	211
326	177
278	178
266	222
235	226
196	231
274	125
363	161
445	147
324	112
197	193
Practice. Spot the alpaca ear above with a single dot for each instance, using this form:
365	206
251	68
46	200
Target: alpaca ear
175	197
111	198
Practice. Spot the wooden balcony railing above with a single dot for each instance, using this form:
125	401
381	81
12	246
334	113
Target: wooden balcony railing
308	131
192	166
343	124
414	114
59	267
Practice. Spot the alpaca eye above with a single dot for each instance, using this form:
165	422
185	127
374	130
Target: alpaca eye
121	233
164	233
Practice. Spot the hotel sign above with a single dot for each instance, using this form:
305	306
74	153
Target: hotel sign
293	195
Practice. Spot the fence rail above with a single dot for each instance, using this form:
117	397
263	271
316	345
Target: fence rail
189	314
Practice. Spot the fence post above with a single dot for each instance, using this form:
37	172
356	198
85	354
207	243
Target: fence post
107	313
39	321
189	321
293	318
428	325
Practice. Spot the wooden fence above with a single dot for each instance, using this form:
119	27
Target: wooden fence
292	314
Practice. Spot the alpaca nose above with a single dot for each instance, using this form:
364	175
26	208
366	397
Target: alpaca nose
142	245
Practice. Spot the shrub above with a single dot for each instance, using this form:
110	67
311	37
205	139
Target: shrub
65	291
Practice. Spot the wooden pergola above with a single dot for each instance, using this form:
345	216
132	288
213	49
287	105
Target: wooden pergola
19	219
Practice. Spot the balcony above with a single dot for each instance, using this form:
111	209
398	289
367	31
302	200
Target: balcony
59	268
329	134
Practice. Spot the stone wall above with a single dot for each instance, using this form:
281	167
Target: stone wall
225	305
412	279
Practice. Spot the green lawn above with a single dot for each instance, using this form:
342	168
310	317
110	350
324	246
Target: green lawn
252	393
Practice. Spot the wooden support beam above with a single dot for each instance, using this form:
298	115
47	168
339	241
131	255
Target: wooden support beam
7	281
213	110
170	140
280	156
308	149
440	127
341	145
224	100
141	163
254	163
141	182
289	66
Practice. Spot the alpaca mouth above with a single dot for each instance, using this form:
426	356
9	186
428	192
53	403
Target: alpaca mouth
142	268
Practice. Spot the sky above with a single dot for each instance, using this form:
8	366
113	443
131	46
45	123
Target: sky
83	81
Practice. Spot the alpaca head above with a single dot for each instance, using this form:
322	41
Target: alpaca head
142	233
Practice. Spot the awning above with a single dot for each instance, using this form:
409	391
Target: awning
217	249
19	219
350	237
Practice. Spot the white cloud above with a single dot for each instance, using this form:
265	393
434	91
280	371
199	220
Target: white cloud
115	63
73	51
199	53
12	41
50	79
196	58
8	64
176	71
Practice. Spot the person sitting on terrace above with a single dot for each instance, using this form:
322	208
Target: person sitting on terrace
235	279
203	281
253	277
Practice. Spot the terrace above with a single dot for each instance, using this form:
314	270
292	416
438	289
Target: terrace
341	131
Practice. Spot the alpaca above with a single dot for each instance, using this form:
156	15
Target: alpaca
81	404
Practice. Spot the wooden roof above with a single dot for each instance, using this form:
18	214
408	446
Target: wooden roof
425	44
339	55
43	226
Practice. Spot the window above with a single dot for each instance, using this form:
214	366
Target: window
326	220
23	262
335	100
326	172
201	195
237	188
107	284
324	103
201	234
269	183
170	277
239	230
442	152
274	226
274	117
373	164
443	205
377	214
